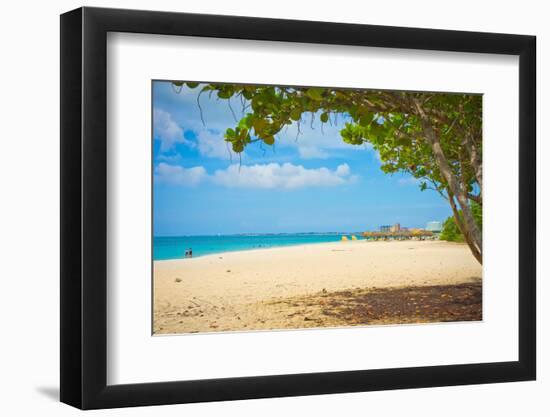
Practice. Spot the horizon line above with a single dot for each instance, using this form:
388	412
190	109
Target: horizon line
280	233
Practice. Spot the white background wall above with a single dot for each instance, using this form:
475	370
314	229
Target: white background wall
29	225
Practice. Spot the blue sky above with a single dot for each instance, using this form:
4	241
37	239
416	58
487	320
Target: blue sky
311	183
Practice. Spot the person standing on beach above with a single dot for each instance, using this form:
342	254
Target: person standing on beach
190	252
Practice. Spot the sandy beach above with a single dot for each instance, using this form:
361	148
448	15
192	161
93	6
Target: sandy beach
318	285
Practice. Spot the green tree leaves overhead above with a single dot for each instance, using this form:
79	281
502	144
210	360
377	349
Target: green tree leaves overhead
434	137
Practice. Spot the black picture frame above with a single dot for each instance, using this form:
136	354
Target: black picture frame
84	207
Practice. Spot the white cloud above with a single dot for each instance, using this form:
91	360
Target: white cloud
318	140
208	143
167	130
177	175
212	145
285	176
408	181
169	158
343	170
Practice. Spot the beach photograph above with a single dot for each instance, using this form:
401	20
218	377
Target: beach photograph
293	207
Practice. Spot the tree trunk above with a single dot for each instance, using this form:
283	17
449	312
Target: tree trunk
473	248
453	184
475	159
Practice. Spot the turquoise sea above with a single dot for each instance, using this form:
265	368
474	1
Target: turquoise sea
175	247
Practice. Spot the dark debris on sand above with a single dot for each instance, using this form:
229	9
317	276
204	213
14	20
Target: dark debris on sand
436	303
419	304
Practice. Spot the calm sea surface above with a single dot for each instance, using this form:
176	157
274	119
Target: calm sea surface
175	247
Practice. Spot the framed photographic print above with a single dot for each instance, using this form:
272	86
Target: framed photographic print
256	208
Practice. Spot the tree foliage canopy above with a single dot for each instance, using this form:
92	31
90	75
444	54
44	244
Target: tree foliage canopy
435	137
451	231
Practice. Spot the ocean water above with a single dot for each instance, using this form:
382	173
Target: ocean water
175	247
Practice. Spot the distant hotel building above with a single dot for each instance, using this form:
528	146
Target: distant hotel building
390	229
435	227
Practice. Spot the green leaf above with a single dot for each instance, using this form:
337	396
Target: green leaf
249	121
365	120
259	125
246	122
225	94
324	117
269	140
257	104
315	93
230	133
295	114
403	142
243	134
192	84
238	147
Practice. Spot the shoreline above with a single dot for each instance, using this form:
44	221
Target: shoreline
285	287
351	242
251	250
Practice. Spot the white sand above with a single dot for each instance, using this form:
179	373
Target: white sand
236	290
